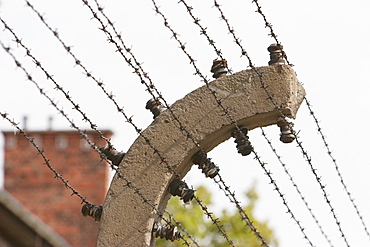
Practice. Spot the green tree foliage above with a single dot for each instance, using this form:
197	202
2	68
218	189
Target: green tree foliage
207	234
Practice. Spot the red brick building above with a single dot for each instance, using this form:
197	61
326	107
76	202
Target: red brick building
29	180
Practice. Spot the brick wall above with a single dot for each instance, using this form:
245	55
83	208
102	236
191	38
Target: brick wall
29	180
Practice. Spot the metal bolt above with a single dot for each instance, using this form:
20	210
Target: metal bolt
242	141
286	135
181	189
206	165
219	68
155	106
112	154
166	232
276	54
92	210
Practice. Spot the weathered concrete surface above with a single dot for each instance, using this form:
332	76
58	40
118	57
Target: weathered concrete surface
126	220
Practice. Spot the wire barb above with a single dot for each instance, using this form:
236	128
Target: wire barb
43	155
296	188
83	135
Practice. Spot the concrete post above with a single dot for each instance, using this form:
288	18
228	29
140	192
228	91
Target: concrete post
126	220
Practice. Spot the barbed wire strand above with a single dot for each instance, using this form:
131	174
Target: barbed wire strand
151	87
170	216
218	51
270	98
319	129
269	25
232	120
50	77
79	63
203	31
84	136
273	182
54	33
192	61
296	187
52	102
215	221
76	106
43	155
89	74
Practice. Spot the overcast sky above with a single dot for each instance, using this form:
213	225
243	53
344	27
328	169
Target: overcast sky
327	41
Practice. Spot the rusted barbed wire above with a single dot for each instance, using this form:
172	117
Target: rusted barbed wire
322	186
42	153
270	98
269	25
50	77
149	87
273	182
52	102
84	136
100	84
214	221
203	31
219	102
244	216
296	188
319	129
223	186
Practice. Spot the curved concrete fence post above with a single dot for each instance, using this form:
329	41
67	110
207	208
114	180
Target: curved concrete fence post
126	219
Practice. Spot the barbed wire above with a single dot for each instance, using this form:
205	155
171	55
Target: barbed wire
218	51
319	129
56	34
170	216
296	187
84	136
322	186
203	31
150	88
277	189
52	102
212	43
215	221
89	74
270	98
50	77
269	25
192	61
42	153
38	63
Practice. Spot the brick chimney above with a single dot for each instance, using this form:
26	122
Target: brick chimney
29	180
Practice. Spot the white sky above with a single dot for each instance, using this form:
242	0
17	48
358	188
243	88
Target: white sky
327	42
